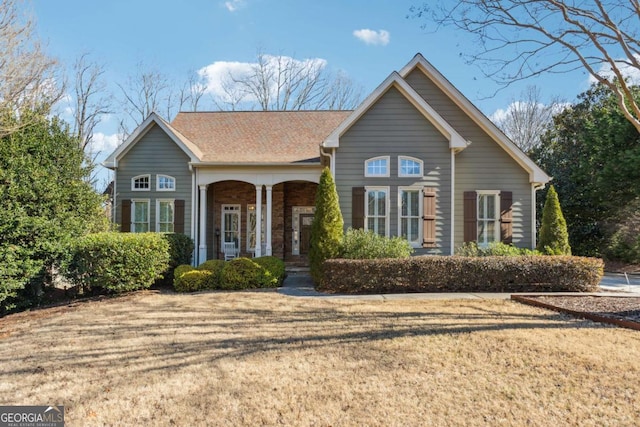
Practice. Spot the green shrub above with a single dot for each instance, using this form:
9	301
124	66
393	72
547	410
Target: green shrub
366	244
624	244
193	281
241	273
180	249
494	249
327	226
215	266
463	274
119	262
554	237
274	270
181	269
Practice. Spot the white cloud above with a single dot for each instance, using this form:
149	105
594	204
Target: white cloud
373	37
233	5
219	76
631	73
104	143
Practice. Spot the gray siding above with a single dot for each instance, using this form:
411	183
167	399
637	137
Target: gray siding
393	127
155	154
484	165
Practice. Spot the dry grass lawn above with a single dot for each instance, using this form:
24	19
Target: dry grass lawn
247	358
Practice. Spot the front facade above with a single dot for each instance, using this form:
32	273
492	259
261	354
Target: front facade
416	159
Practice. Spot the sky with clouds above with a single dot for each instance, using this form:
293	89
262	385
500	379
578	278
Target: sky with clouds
364	39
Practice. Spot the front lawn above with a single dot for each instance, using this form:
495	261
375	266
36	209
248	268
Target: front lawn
155	358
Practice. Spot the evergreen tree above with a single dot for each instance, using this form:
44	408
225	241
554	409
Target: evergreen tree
554	238
327	227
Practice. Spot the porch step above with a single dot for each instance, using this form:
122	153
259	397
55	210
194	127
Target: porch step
296	268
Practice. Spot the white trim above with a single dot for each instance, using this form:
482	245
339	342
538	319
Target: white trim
269	248
251	210
395	80
193	203
387	191
202	239
189	148
133	214
496	213
536	175
412	159
372	159
418	243
296	211
453	201
165	176
144	175
173	208
234	208
258	249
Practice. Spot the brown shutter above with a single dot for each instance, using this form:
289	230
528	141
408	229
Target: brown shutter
506	217
429	217
178	218
125	223
470	216
357	207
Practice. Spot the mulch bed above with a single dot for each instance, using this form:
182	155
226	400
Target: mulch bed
616	310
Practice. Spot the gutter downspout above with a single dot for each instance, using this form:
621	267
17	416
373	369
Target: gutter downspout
332	165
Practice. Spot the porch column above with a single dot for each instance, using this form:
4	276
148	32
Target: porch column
258	221
268	232
202	247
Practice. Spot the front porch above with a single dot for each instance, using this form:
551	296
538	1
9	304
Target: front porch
230	214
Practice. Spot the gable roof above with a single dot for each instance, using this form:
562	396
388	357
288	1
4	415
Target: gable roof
456	141
258	137
537	175
185	145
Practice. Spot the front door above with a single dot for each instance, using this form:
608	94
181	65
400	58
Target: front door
305	233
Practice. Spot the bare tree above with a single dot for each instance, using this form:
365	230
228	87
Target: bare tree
285	83
519	39
90	98
28	77
526	119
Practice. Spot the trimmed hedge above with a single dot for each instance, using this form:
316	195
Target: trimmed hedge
274	270
119	262
180	249
214	266
194	280
463	274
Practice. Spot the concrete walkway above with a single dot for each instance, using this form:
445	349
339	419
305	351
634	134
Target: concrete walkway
299	284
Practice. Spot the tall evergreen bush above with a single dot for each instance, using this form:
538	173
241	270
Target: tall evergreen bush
554	238
327	226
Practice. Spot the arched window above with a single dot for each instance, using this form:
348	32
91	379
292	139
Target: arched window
409	166
165	183
377	167
141	183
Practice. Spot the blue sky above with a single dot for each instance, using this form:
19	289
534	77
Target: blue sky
178	37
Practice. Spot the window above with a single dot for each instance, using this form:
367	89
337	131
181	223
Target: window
165	216
141	183
410	215
140	217
231	224
165	183
251	227
377	167
377	210
409	166
488	227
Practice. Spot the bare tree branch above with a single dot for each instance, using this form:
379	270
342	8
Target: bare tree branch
519	39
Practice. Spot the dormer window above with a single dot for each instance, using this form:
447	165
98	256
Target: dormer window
166	183
409	166
141	183
377	167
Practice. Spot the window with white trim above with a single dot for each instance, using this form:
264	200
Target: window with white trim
410	215
141	183
488	217
231	224
377	210
251	227
165	183
409	166
139	216
165	215
377	167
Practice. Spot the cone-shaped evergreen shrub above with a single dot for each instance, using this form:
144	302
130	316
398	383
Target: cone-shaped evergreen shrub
327	227
554	238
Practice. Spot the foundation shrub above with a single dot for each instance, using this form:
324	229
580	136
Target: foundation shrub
274	270
241	273
215	266
180	252
193	281
366	244
181	269
119	262
463	274
494	249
